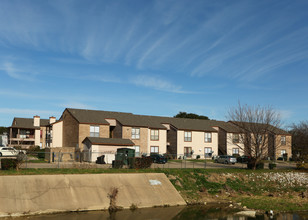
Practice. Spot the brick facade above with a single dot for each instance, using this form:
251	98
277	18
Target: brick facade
70	130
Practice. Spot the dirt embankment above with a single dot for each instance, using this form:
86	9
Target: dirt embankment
257	190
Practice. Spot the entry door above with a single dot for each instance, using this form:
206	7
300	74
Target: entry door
187	151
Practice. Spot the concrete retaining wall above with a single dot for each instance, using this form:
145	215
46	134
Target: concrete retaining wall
22	195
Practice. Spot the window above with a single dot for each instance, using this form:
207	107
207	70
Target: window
187	151
94	131
207	152
283	152
207	137
283	140
259	139
235	151
135	133
187	135
22	134
137	151
236	138
154	150
154	135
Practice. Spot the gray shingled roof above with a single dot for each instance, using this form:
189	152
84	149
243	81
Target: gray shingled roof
128	119
227	126
28	123
270	128
109	141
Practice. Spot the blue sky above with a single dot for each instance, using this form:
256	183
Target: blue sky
153	57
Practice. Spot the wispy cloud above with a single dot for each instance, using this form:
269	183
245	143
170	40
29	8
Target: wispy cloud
157	84
76	105
15	73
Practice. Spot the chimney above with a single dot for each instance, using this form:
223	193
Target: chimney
36	121
52	120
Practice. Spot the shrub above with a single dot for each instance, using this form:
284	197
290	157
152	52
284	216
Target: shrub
9	164
198	157
259	165
142	162
271	166
117	164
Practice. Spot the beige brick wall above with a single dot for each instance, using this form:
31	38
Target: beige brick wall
287	147
104	131
142	142
84	131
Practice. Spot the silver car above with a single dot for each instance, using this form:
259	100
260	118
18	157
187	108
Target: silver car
10	151
226	159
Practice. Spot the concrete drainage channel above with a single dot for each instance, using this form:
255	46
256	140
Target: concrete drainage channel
38	194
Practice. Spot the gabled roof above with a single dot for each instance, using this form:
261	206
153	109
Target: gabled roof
109	141
28	123
267	127
128	119
227	126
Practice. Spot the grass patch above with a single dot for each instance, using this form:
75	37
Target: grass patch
270	203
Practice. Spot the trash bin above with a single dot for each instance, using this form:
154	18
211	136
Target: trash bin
100	160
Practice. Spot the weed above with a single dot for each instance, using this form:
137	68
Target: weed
133	207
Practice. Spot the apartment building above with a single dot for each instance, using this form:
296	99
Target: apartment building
103	132
29	132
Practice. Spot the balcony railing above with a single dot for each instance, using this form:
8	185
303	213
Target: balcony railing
23	136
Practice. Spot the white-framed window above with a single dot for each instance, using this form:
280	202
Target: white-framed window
137	151
94	131
154	135
154	150
135	133
187	136
236	138
207	152
235	151
283	140
207	137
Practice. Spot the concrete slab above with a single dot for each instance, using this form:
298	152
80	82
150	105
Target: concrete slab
22	195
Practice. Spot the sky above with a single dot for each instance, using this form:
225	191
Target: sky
153	57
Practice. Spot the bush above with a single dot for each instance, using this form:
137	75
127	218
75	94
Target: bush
9	164
198	157
271	166
117	164
142	162
259	165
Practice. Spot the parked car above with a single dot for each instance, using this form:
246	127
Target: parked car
10	151
243	159
215	158
226	159
158	158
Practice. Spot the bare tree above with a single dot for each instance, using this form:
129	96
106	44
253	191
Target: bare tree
256	129
300	140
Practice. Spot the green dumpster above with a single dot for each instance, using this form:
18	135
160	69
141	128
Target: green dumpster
123	154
